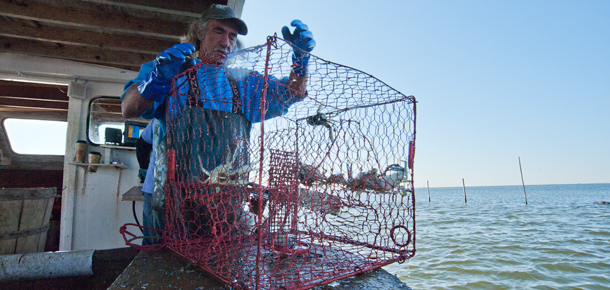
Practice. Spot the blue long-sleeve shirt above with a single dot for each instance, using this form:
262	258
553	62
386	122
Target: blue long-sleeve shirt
216	92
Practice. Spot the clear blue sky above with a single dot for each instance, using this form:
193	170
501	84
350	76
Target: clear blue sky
494	80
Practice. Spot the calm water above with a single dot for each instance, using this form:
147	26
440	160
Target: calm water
560	240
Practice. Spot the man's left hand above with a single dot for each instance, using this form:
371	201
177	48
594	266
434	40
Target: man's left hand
302	38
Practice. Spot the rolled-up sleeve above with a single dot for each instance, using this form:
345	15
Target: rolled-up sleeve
145	69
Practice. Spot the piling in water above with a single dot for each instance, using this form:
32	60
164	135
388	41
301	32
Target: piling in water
522	183
428	182
464	187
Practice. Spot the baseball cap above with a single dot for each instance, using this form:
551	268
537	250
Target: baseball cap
219	11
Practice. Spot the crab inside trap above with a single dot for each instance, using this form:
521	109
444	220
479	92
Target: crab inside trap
315	187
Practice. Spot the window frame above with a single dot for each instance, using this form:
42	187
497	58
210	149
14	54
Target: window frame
137	119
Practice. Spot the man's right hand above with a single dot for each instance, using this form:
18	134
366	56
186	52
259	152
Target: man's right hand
168	64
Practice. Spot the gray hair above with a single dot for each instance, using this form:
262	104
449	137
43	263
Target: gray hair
196	32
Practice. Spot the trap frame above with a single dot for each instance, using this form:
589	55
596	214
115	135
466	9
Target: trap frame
280	189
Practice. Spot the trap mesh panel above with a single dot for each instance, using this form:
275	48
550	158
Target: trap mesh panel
314	188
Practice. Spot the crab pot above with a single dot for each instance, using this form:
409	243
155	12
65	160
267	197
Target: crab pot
272	186
24	219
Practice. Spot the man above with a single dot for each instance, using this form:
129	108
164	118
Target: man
221	26
212	36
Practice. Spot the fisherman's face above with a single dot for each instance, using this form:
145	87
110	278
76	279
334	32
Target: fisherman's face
219	40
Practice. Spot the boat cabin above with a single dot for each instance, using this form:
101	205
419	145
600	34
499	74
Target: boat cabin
63	66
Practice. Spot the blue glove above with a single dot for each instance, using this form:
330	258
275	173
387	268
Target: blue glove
302	38
168	64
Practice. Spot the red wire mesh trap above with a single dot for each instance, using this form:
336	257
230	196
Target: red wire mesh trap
322	189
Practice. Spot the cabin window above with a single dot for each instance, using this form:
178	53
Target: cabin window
107	126
36	137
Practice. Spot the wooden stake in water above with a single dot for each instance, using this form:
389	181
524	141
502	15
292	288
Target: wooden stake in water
522	183
464	186
428	182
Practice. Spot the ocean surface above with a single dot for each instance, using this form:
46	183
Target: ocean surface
560	240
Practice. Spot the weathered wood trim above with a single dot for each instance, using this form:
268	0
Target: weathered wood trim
75	111
181	8
76	53
94	20
77	36
34	91
11	102
27	193
52	70
51	116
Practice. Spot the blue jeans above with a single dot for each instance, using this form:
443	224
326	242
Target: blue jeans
150	219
